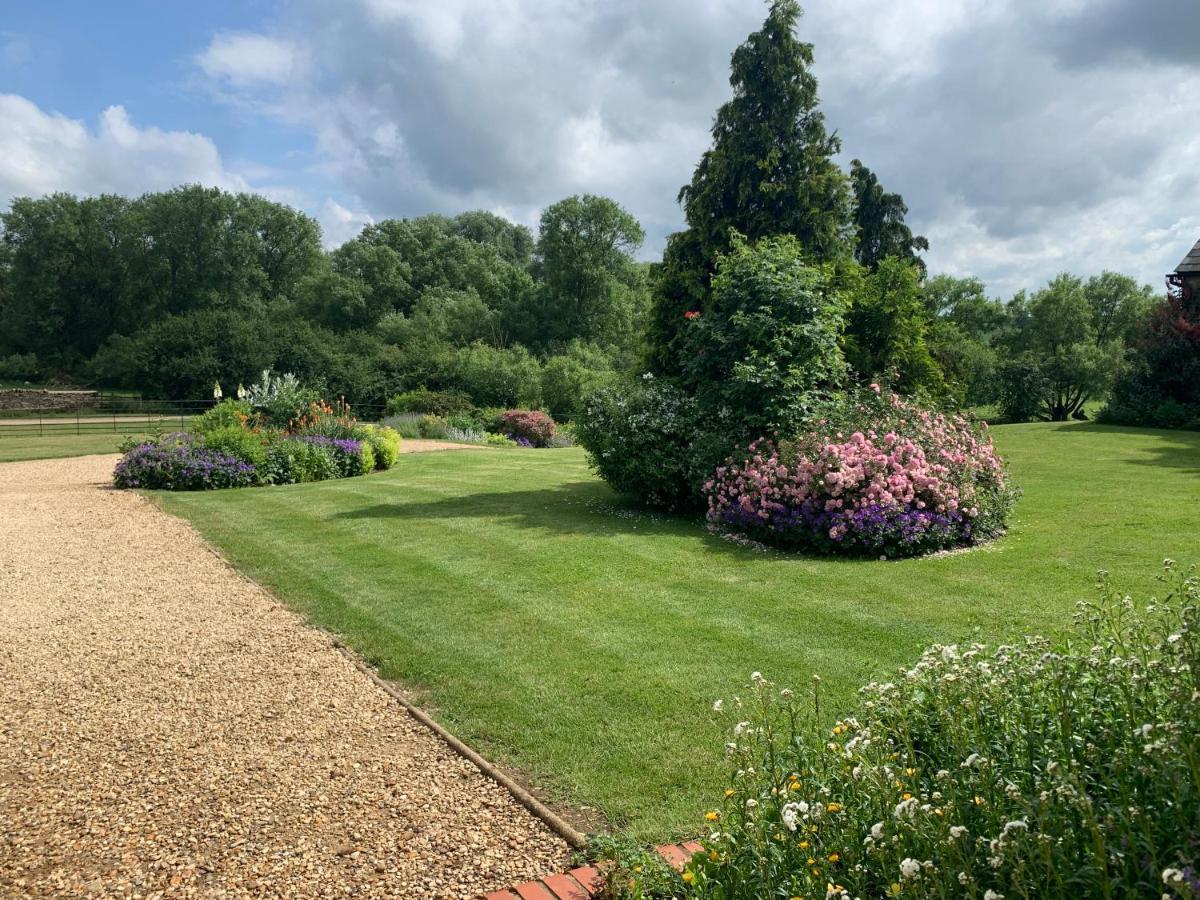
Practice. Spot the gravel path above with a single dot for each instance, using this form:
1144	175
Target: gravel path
167	728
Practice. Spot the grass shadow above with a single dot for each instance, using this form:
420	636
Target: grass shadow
1172	449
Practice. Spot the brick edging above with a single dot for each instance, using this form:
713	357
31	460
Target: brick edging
584	882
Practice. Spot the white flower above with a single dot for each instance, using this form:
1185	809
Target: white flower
989	894
964	878
718	705
957	831
741	728
909	868
877	830
1017	825
751	803
757	677
905	808
1172	876
970	761
791	814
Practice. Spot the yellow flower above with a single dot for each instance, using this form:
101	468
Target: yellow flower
834	807
795	785
688	877
938	811
816	871
712	816
713	855
811	860
894	889
898	783
793	778
834	857
803	845
837	729
637	869
979	801
906	796
910	771
729	792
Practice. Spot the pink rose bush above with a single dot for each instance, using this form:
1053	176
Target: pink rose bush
880	476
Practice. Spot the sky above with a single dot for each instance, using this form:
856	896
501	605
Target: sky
1028	137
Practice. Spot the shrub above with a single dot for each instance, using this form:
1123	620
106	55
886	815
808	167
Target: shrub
881	475
352	457
407	425
649	440
279	398
385	443
423	400
226	414
295	460
175	463
500	440
238	442
1021	386
530	425
497	377
1041	769
432	427
20	367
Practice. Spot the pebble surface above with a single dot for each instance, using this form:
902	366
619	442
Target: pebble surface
168	729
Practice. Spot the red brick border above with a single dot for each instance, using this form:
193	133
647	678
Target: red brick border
584	882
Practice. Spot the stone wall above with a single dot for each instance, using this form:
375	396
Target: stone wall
39	400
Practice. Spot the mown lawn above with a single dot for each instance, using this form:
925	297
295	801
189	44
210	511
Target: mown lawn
559	630
26	446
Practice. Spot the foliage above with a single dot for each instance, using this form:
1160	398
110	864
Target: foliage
879	475
352	457
770	171
407	425
886	330
569	378
466	435
238	442
324	420
531	425
423	400
648	439
589	284
1074	333
295	461
499	440
432	427
1020	389
768	347
176	463
1039	769
495	377
227	413
279	398
385	445
879	221
20	367
1161	385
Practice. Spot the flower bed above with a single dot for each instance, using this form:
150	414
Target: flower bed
878	476
1063	768
236	445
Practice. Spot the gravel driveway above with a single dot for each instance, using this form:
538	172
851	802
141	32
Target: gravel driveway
167	728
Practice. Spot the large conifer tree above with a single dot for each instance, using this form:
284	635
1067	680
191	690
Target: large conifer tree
770	171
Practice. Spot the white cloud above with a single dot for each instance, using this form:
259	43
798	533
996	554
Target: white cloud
339	224
42	152
244	59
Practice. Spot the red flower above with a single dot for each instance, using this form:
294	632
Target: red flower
692	314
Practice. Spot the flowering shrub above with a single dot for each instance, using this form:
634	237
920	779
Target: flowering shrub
352	457
296	461
226	414
881	475
1041	769
326	421
238	442
528	427
176	463
278	398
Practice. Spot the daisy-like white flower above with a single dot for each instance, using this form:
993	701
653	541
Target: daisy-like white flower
909	868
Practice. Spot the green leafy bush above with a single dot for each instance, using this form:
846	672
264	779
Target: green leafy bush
423	400
1021	386
1043	768
279	398
385	444
433	427
237	441
293	461
407	425
226	414
500	440
650	440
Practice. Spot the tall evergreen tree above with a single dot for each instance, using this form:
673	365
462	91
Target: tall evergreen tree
770	171
879	221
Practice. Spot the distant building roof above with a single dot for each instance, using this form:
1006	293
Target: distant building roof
1191	262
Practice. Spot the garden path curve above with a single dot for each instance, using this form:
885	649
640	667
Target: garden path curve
168	728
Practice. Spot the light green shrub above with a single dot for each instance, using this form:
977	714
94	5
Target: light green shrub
385	442
226	414
238	442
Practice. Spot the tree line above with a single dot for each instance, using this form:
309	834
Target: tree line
172	292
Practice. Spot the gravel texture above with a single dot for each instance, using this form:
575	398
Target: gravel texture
168	729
